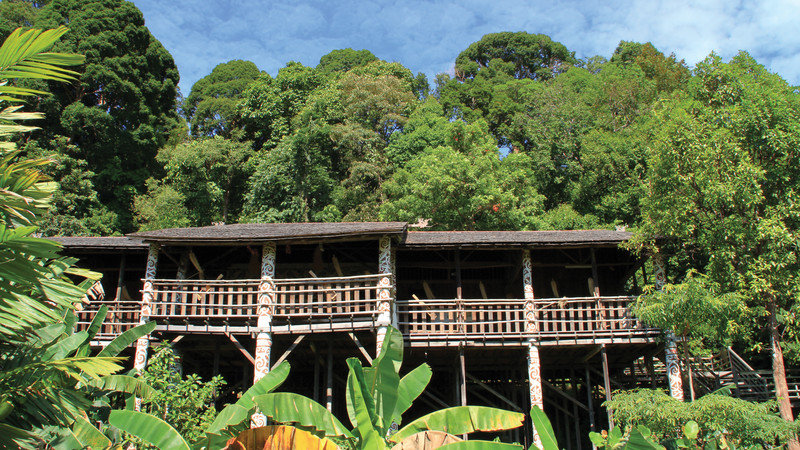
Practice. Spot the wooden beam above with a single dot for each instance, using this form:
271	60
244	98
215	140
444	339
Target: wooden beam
241	348
329	390
595	274
564	394
177	339
591	354
360	347
493	391
289	350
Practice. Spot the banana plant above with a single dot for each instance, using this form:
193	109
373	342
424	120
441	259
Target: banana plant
377	397
231	421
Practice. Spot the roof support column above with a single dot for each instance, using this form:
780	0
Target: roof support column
266	305
385	298
535	383
148	295
671	350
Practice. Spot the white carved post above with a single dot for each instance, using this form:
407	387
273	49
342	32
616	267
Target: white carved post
527	282
266	303
384	290
534	364
142	344
671	357
535	383
393	268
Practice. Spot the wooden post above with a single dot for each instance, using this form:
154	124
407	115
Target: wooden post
462	378
590	400
607	384
393	268
527	288
115	314
142	344
329	390
385	300
535	383
266	305
671	350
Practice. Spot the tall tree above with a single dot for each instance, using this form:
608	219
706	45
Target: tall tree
723	179
122	109
344	59
211	107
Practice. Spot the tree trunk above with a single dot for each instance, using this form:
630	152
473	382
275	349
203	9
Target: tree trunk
779	371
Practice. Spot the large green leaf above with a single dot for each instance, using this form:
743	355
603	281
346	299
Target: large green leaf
268	383
383	379
463	420
127	338
148	428
13	437
411	386
544	428
286	407
97	322
231	416
363	418
479	445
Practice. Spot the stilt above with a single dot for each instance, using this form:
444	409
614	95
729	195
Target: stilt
266	302
463	380
142	344
535	383
329	390
385	300
671	350
316	375
607	385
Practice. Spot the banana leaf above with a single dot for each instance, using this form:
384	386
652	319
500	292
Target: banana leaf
127	338
462	420
543	427
148	428
286	407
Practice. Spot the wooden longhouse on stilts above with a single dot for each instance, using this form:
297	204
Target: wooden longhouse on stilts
504	318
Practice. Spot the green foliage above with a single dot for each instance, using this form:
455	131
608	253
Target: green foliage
122	108
464	191
212	106
344	59
694	309
520	55
203	184
740	422
185	402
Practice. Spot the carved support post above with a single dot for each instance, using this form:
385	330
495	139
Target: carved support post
527	285
535	383
266	304
393	268
671	357
142	344
385	299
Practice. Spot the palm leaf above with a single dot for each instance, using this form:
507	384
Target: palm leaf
479	445
148	428
126	384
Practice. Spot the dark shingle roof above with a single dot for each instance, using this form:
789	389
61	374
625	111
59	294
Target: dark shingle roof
263	232
100	243
571	238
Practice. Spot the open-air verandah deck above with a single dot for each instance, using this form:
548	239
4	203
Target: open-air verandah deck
311	305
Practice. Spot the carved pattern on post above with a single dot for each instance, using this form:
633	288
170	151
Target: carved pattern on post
262	358
527	281
671	351
142	344
673	368
535	383
384	290
266	289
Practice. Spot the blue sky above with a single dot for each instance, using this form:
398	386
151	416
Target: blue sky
426	36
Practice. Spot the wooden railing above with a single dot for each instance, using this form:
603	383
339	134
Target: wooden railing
300	303
459	320
121	316
587	318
